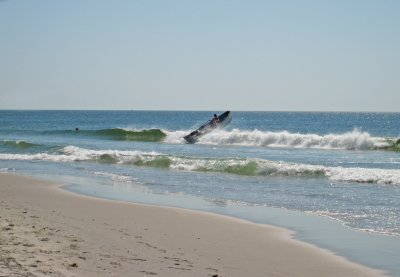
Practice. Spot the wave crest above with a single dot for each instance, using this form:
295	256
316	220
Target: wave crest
151	135
355	140
245	166
18	144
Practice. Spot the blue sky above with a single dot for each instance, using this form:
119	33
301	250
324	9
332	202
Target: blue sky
200	55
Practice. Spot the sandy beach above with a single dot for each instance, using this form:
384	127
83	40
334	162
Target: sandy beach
47	231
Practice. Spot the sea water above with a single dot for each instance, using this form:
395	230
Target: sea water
334	178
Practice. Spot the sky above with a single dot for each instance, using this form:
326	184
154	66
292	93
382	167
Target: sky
309	55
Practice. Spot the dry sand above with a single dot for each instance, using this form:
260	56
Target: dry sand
47	231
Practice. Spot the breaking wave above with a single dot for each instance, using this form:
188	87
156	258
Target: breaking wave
354	140
245	166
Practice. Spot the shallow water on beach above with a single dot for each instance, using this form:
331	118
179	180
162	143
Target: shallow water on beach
297	170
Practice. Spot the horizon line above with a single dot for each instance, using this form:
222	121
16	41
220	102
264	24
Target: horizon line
199	110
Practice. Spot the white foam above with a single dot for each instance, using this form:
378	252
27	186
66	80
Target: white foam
6	170
352	174
39	156
355	140
350	219
261	167
289	169
364	175
73	153
281	168
116	177
175	136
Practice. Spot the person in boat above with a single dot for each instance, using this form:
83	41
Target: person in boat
215	120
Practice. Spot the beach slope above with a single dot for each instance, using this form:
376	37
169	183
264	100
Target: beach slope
47	231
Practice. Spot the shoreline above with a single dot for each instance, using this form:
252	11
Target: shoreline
47	230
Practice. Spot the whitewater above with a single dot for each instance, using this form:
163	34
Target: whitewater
354	140
247	167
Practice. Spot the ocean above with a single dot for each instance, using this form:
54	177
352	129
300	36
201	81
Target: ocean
332	177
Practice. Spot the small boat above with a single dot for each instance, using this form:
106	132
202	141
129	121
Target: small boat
223	120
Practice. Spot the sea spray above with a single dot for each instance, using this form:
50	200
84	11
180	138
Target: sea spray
355	140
